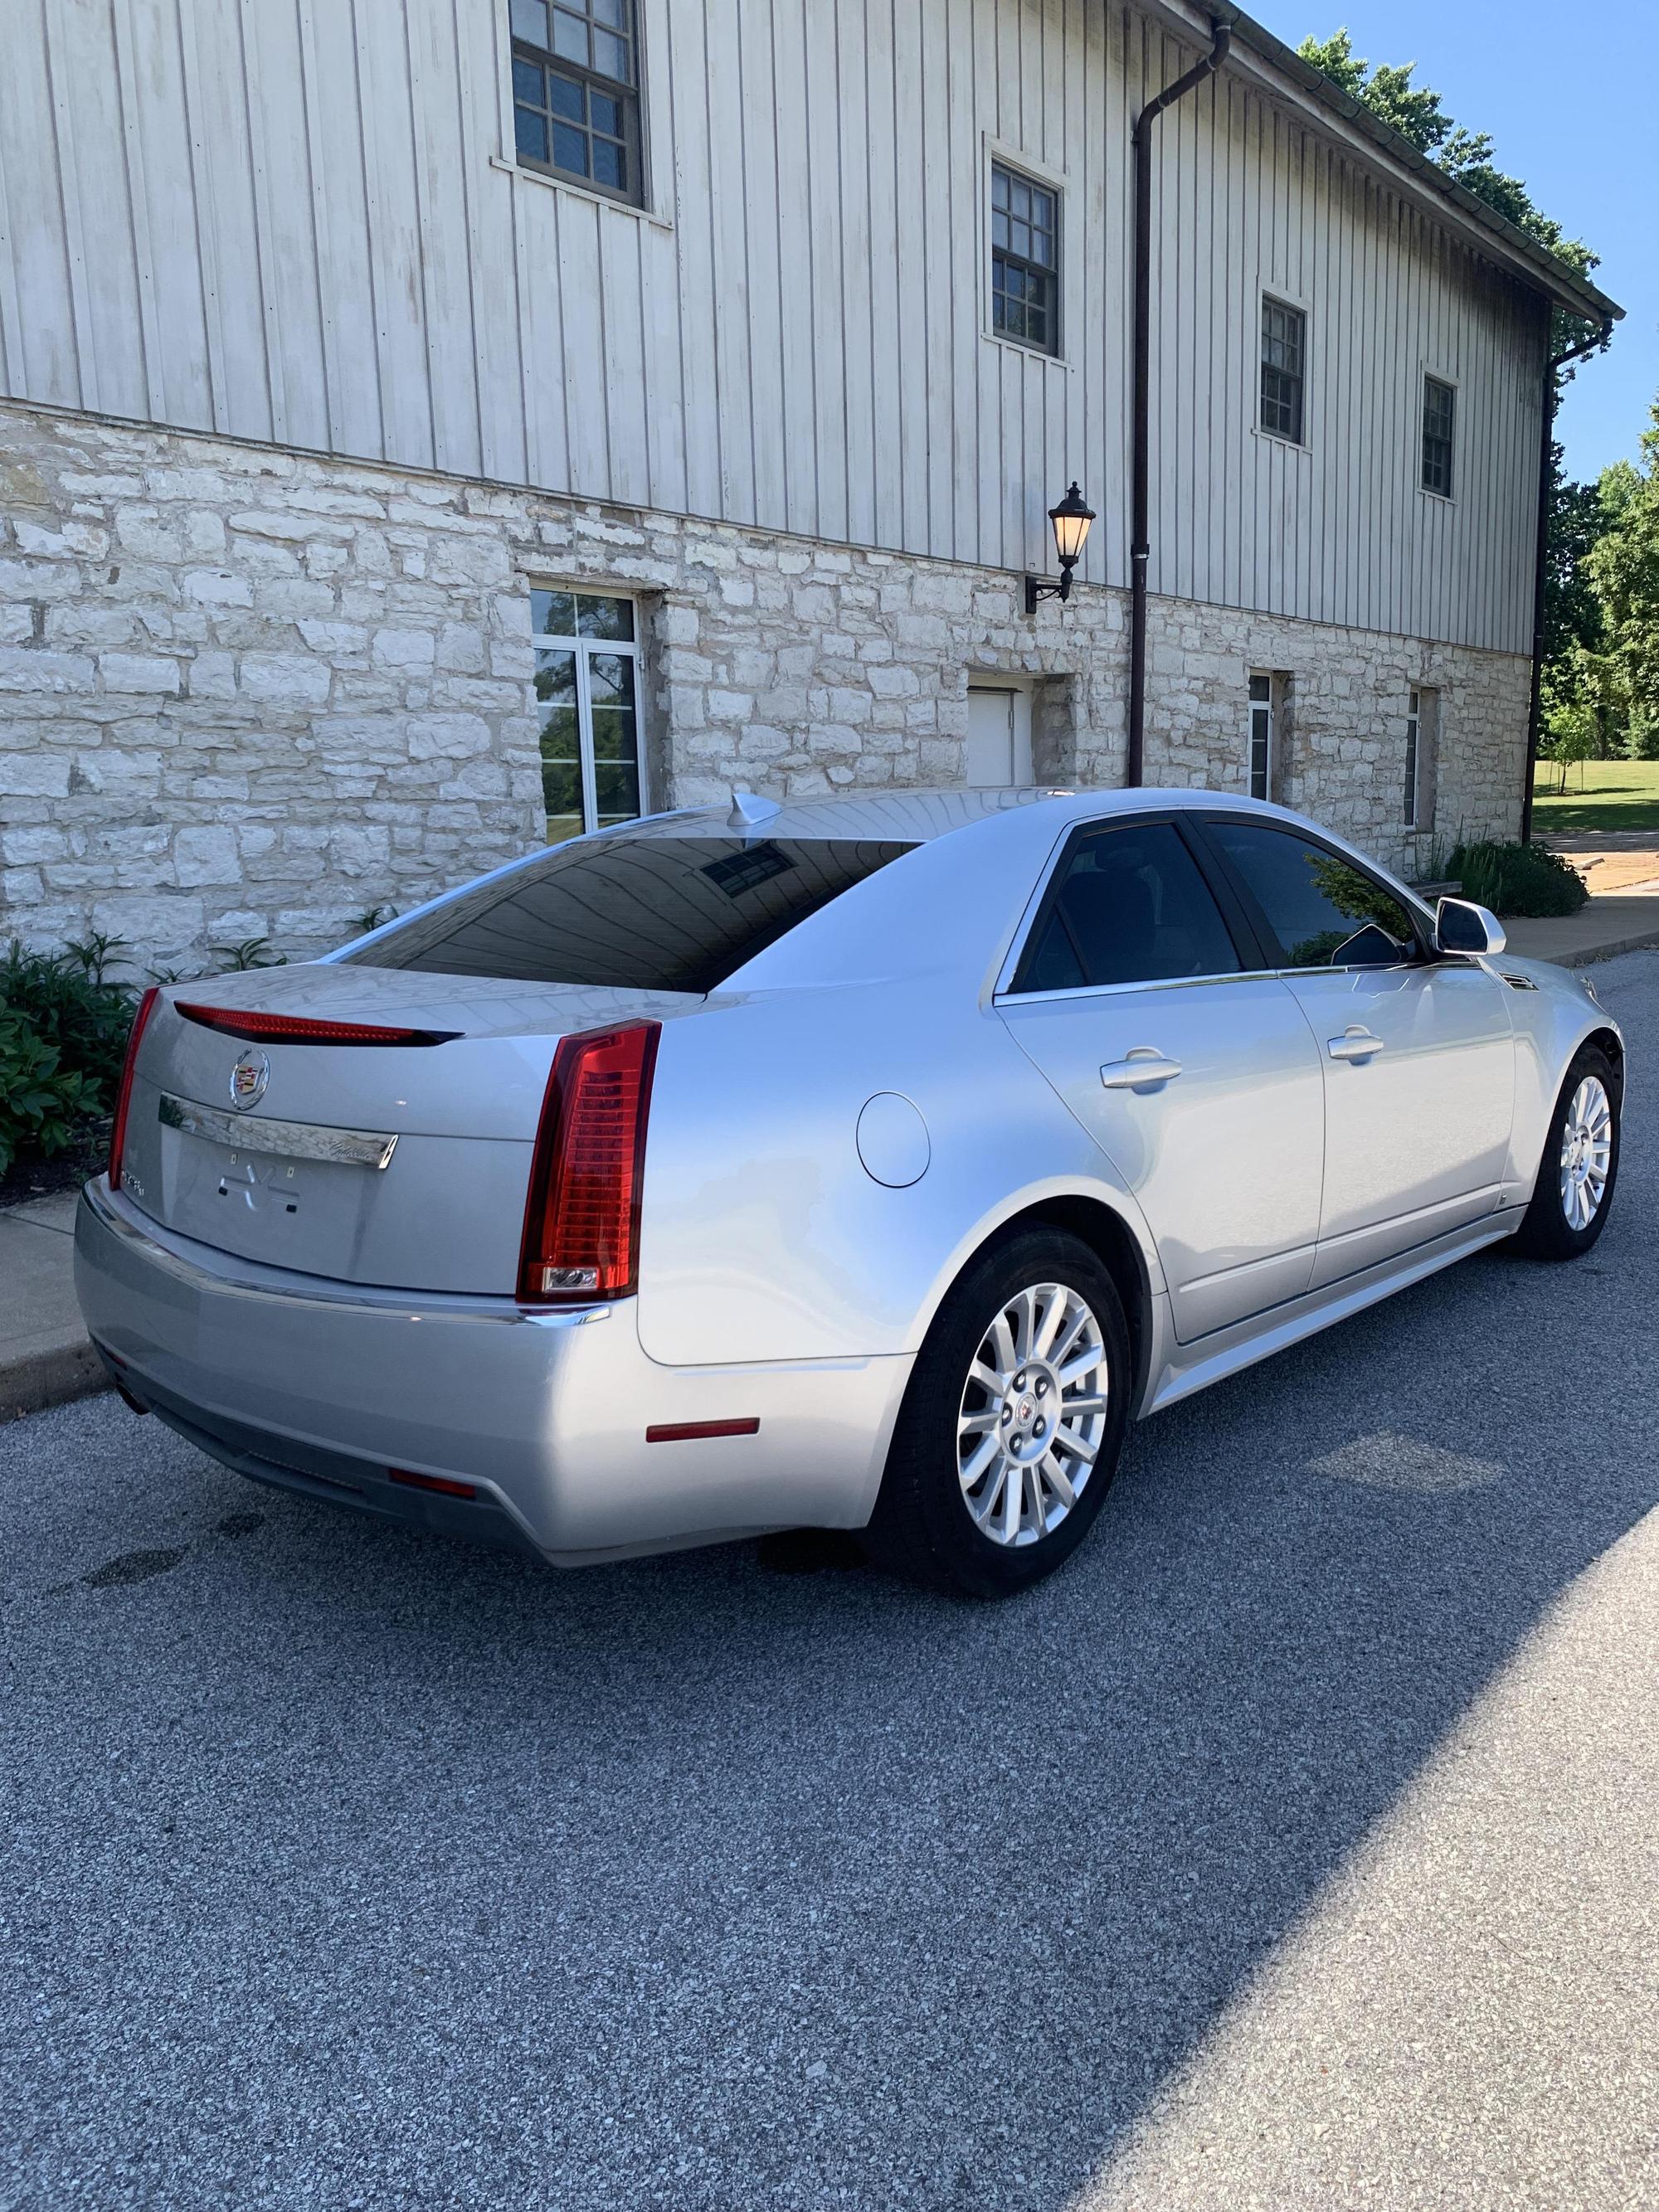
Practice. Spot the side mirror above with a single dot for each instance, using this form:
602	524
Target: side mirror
1461	925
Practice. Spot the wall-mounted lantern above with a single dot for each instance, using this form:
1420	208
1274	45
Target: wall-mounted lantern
1071	519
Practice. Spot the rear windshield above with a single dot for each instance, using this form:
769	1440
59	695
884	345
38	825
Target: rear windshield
648	913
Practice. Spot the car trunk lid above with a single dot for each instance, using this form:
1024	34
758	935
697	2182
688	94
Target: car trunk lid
388	1141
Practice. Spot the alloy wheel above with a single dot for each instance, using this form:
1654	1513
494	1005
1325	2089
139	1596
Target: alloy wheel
1032	1415
1586	1152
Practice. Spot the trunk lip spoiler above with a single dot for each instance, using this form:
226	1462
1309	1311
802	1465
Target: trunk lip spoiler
254	1027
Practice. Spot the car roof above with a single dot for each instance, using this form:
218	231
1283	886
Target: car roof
920	815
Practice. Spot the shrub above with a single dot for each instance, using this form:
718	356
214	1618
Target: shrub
1518	880
63	1036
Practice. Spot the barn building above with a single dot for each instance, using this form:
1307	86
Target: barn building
431	427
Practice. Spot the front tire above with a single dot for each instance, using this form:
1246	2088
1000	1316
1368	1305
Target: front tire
1012	1422
1580	1164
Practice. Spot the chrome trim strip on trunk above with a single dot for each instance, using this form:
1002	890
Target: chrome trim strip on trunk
286	1141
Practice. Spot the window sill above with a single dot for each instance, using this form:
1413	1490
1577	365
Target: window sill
1278	438
581	192
1440	498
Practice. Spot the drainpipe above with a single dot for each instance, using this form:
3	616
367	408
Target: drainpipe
1541	568
1139	546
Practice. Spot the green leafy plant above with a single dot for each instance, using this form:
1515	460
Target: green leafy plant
252	952
63	1036
1518	880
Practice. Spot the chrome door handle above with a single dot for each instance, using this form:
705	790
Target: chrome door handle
1144	1068
1355	1042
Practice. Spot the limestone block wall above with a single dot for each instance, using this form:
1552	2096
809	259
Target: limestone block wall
247	692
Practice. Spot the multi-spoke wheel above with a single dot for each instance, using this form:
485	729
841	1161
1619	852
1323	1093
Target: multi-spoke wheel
1574	1191
1033	1413
1014	1421
1586	1151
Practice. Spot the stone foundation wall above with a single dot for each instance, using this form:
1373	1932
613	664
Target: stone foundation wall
246	693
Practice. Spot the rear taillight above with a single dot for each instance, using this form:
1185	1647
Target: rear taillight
117	1135
581	1224
302	1029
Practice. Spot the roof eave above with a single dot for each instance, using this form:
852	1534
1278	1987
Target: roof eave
1495	235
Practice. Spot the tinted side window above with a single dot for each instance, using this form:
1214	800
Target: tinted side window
1325	912
1130	907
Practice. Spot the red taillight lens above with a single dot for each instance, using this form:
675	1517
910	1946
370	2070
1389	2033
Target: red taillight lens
581	1225
117	1135
299	1029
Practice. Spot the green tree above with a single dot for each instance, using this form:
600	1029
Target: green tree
1624	567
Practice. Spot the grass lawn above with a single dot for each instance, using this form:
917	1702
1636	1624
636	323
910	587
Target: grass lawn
1616	795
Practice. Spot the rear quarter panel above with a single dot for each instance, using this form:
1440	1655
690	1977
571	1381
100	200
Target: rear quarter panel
762	1236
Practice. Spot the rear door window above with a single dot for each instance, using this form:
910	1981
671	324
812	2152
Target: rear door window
1129	905
1324	911
639	913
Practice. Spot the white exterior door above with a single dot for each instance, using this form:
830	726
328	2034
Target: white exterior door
998	736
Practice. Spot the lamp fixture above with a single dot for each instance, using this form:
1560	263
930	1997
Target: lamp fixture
1071	518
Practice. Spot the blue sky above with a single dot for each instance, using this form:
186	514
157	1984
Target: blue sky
1567	94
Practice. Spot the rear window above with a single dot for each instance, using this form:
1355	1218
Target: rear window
647	914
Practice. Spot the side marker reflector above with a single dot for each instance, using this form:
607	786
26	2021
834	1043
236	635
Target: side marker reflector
686	1433
440	1483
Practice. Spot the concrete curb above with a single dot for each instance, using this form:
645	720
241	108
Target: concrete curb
52	1376
1592	953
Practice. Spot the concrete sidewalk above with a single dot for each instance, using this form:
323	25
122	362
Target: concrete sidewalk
45	1355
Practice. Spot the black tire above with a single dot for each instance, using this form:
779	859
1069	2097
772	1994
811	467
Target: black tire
1546	1231
923	1527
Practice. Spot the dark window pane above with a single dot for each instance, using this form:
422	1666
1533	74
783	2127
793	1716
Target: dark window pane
562	787
615	791
614	733
553	613
605	114
604	618
556	676
526	81
570	149
529	20
530	134
610	679
1318	904
1131	907
639	911
608	167
999	187
614	12
565	97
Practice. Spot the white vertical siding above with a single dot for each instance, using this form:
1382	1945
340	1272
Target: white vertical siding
297	220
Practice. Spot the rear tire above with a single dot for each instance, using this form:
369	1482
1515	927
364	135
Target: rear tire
1573	1193
1012	1424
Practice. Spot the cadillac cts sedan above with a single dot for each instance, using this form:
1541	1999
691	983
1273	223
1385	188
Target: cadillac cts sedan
863	1162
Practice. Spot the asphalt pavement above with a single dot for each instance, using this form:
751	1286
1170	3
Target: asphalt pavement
1293	1848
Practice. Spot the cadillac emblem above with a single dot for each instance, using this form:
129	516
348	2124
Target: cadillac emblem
248	1080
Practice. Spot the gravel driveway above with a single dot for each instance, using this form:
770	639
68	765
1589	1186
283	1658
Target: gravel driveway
1295	1846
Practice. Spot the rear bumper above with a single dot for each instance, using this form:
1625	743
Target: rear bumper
325	1388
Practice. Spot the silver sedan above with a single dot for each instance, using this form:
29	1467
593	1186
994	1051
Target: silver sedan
862	1162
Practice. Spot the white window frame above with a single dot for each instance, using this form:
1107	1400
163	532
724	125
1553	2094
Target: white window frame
1414	753
1266	709
1002	153
627	648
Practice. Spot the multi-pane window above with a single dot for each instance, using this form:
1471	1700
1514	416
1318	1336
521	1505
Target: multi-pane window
1439	412
1283	368
1024	260
575	91
1413	725
587	694
1261	737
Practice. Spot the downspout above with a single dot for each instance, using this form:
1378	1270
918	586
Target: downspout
1540	568
1139	546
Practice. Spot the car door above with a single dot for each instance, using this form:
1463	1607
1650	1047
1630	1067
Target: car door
1417	1051
1198	1079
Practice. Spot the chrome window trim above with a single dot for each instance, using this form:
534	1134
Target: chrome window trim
1159	983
